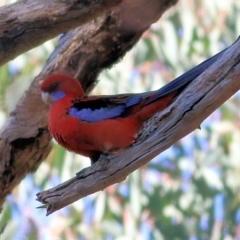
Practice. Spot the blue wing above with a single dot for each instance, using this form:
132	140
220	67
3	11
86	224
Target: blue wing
92	109
96	115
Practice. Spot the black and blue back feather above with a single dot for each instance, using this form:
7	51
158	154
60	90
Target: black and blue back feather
93	109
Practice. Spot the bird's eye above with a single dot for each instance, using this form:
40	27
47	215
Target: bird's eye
53	87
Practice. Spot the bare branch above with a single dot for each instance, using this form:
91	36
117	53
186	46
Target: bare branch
83	53
199	100
27	24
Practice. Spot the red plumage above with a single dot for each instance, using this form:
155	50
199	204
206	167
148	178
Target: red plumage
91	125
93	138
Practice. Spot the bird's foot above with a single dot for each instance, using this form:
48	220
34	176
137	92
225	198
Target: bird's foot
83	173
100	157
98	165
104	158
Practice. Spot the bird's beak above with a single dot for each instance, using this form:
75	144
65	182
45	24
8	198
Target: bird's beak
46	97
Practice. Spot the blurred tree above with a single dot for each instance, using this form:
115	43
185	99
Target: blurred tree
191	191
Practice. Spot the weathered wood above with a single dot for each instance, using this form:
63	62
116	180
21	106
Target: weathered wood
26	24
199	100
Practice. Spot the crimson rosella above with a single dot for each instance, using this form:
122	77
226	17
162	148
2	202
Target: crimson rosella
91	125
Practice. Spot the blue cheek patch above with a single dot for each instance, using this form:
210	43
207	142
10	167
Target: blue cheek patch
55	96
96	115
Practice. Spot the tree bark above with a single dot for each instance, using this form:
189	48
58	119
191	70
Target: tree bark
27	24
205	94
82	53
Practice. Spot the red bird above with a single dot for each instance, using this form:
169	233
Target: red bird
91	125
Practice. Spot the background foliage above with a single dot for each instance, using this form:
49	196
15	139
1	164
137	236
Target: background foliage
191	191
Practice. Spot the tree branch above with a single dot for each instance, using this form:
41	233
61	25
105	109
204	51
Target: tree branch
82	53
199	100
27	24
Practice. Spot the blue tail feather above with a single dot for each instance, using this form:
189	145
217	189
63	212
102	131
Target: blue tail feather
186	78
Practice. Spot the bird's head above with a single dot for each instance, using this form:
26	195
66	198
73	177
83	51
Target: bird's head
57	86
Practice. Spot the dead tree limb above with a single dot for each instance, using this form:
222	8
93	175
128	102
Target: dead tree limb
199	100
